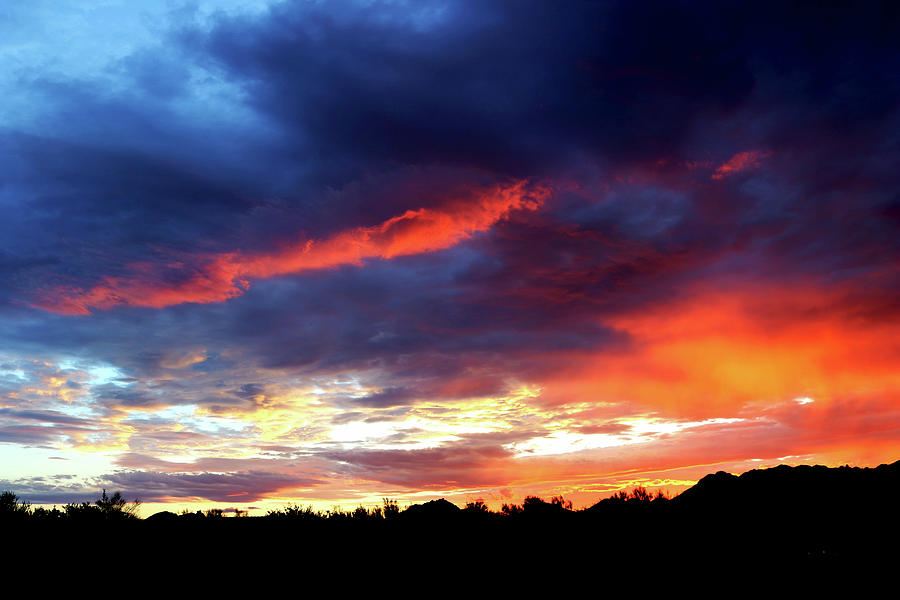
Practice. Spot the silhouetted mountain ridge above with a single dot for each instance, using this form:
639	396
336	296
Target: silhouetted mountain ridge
806	486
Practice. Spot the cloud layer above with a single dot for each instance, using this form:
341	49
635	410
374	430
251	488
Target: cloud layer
338	251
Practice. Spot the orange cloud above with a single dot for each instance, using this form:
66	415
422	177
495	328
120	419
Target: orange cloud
742	161
717	352
225	276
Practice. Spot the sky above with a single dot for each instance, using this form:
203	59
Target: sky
259	253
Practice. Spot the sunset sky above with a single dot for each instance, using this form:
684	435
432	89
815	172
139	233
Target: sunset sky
255	253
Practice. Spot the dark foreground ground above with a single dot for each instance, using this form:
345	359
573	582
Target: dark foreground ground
811	523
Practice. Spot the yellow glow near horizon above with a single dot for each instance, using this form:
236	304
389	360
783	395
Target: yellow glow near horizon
640	430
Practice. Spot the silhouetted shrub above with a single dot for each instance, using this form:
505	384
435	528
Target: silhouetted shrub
637	496
339	514
660	497
44	514
536	507
295	512
361	514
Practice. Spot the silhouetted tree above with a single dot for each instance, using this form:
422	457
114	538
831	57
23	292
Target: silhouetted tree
561	502
76	512
117	507
511	510
391	509
107	507
12	507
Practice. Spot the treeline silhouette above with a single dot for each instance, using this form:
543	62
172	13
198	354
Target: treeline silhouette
783	516
116	508
105	508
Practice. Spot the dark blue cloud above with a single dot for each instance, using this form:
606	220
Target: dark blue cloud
337	115
148	486
514	88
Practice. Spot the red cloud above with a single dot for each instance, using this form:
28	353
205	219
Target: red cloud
225	276
742	161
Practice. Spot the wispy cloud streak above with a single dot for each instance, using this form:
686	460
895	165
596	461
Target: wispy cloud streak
225	276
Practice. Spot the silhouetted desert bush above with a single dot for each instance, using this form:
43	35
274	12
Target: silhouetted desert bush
295	512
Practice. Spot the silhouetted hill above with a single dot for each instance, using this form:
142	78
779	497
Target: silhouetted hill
433	510
803	487
164	516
